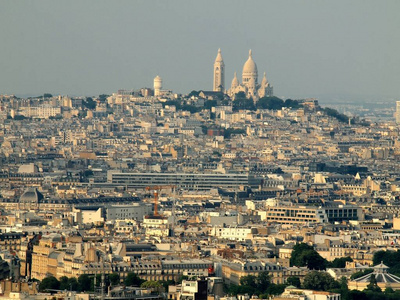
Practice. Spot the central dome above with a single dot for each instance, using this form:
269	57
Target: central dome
250	66
249	70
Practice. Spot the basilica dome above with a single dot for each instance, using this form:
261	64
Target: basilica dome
250	66
249	70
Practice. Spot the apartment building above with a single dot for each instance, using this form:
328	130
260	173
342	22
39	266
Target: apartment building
311	214
187	181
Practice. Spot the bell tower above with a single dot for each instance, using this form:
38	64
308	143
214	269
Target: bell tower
219	73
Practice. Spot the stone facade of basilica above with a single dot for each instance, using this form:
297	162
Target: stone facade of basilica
249	85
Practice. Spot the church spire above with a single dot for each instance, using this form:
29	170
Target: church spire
235	81
219	56
264	81
219	73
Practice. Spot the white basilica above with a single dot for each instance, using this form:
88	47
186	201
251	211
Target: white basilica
249	85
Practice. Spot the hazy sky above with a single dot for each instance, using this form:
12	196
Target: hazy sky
308	48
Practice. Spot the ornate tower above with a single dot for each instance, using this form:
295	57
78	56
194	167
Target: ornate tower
219	73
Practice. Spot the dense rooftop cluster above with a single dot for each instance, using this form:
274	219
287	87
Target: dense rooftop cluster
237	185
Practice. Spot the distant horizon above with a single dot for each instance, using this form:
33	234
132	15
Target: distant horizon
321	98
327	50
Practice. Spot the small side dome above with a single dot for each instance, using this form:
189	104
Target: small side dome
235	81
264	81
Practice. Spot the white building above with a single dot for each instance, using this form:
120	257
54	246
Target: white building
233	233
157	86
250	85
42	112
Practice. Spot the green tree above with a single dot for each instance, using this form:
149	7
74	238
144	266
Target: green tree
228	132
210	103
240	95
69	284
293	280
335	114
298	249
242	104
389	290
155	285
103	97
373	284
49	283
357	295
319	281
292	103
177	103
304	255
249	280
339	262
64	283
167	283
263	281
360	273
85	283
275	289
73	284
89	103
194	93
274	103
181	278
133	280
114	278
312	260
341	288
190	108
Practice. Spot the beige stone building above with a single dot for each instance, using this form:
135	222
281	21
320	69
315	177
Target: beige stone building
250	85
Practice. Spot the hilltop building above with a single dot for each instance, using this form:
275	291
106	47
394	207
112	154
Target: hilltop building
157	85
219	73
250	85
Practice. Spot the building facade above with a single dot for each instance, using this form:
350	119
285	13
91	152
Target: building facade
250	85
187	181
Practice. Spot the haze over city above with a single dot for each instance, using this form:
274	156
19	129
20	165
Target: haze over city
199	150
330	50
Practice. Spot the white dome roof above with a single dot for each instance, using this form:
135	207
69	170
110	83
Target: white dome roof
157	78
250	66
